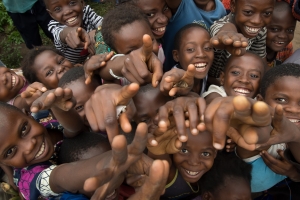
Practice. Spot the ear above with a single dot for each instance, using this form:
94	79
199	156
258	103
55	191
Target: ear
175	55
232	6
207	196
222	77
259	97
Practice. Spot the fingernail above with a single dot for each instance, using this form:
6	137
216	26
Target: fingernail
154	142
217	146
227	146
229	140
44	89
183	138
162	124
195	131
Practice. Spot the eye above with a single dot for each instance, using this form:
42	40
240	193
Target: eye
254	76
57	9
208	48
146	120
190	50
61	61
280	100
166	8
267	14
150	14
235	73
248	12
79	108
274	29
184	151
206	154
72	3
10	152
48	73
290	30
24	129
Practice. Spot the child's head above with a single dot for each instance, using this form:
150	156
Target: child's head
123	29
83	146
196	156
192	46
147	102
45	65
242	75
75	80
229	179
250	16
23	141
10	84
66	12
158	14
281	28
279	87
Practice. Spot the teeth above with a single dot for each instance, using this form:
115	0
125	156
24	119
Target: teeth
71	20
13	81
279	42
200	65
192	173
294	120
162	29
252	30
42	149
241	91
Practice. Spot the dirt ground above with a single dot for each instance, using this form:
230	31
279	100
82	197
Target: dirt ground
296	40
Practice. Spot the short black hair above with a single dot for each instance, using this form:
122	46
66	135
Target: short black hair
72	148
231	57
225	166
71	75
115	19
28	61
179	34
279	71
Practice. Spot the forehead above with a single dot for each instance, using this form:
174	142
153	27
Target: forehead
246	62
55	2
200	141
44	58
194	34
151	4
285	84
282	17
256	4
80	89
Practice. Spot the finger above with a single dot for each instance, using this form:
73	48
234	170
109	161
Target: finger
125	123
157	70
163	116
119	150
178	114
146	48
91	184
261	114
242	107
91	117
194	117
126	94
133	70
140	140
239	140
188	76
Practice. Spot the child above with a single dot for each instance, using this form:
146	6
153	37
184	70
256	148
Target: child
229	178
241	76
24	142
280	34
248	18
192	46
186	12
73	22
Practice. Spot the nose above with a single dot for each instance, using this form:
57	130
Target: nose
200	53
194	160
292	107
162	19
28	145
243	78
67	10
282	34
256	19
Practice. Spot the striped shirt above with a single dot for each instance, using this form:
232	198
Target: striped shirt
256	45
90	22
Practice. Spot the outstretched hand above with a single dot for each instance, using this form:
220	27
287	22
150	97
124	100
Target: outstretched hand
32	92
250	118
78	37
178	81
142	65
101	108
59	97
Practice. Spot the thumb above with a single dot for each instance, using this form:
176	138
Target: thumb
188	76
83	36
126	93
147	47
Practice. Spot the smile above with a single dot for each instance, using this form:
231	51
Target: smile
72	20
294	120
192	173
200	67
241	91
41	151
162	29
13	80
252	30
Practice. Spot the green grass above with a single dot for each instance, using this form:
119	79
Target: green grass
11	40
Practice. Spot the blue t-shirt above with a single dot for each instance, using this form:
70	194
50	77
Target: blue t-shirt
187	13
17	6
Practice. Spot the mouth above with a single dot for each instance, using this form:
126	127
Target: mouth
159	31
13	80
252	31
241	91
191	173
111	196
279	43
71	21
294	120
41	151
200	67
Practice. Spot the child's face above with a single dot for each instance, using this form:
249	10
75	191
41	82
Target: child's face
280	30
233	188
10	84
196	156
158	14
50	67
147	105
23	141
242	76
195	48
82	93
130	37
250	16
282	92
66	12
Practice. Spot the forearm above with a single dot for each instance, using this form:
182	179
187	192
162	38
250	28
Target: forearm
115	66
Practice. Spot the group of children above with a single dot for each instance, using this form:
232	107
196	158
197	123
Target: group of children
158	99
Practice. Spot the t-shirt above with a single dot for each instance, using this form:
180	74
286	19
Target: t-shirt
256	45
214	88
90	22
187	13
17	6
